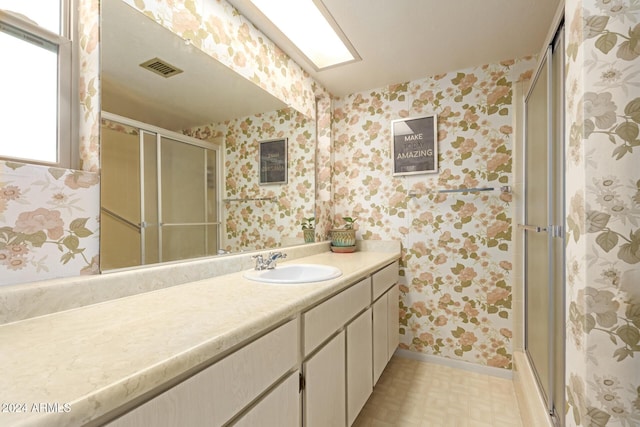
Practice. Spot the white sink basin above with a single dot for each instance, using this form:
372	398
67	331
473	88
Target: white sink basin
294	273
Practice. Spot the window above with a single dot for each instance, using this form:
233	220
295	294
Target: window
36	81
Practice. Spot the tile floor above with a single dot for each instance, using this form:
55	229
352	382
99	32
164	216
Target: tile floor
414	393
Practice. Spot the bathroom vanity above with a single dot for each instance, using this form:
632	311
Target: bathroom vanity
220	350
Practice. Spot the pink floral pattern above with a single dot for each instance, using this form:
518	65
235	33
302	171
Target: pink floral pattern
40	220
48	222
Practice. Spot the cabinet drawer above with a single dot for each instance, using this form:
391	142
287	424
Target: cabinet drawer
281	407
384	279
322	321
247	373
215	395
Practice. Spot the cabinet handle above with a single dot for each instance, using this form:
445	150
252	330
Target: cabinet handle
302	382
534	228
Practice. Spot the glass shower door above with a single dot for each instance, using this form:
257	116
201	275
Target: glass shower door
557	196
188	201
543	233
120	221
159	194
537	242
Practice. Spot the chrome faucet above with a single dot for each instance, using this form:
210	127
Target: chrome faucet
270	262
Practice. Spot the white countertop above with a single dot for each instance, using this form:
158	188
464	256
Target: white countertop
98	357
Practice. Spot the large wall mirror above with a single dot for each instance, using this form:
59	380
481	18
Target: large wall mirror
180	141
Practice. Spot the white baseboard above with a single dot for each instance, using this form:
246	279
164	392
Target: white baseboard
458	364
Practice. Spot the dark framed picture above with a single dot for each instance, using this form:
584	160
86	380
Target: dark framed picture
273	161
414	148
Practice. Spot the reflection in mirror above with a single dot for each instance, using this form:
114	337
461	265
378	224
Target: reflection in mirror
159	195
252	223
204	106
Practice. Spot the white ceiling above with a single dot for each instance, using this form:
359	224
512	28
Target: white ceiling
403	40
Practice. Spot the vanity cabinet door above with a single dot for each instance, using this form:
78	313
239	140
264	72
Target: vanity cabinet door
359	364
393	320
324	399
386	330
380	333
385	317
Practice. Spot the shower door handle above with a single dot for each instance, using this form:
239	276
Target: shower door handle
534	228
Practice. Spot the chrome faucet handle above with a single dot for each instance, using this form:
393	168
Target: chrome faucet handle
272	259
260	264
276	255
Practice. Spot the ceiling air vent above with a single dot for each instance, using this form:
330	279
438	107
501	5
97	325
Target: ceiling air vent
161	67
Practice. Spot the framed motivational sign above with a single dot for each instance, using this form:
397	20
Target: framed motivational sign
273	161
415	145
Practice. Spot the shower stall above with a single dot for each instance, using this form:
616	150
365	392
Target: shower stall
543	231
159	195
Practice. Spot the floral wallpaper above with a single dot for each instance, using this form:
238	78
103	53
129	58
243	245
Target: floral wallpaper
603	212
254	224
324	158
457	257
55	237
89	84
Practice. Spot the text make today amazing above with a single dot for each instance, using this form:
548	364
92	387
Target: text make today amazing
414	147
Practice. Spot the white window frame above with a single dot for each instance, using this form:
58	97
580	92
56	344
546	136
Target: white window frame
67	129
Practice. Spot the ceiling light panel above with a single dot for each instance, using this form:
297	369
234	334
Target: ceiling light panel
314	33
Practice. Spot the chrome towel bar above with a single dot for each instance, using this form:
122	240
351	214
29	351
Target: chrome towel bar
502	189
